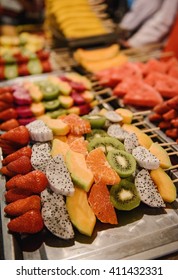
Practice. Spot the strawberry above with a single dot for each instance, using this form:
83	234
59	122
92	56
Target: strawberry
8	114
4	106
23	205
11	183
6	97
35	181
15	194
8	125
29	222
6	89
21	165
7	147
25	151
19	135
7	172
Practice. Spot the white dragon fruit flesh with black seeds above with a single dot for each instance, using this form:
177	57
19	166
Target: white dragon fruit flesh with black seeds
116	131
39	131
41	156
145	159
113	116
147	190
55	215
131	142
59	177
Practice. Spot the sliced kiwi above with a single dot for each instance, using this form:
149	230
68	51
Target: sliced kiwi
57	113
49	90
96	133
96	121
124	196
52	104
106	144
122	162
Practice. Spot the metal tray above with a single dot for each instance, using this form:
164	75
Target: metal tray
143	233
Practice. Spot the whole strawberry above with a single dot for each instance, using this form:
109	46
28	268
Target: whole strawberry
22	165
23	205
25	151
18	135
29	222
11	183
15	194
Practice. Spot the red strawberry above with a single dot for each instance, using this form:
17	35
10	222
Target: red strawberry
25	151
4	106
34	181
29	222
11	183
6	89
15	194
7	172
23	205
21	165
6	97
8	147
8	114
19	135
10	124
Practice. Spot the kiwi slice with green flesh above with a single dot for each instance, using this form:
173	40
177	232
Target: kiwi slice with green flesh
124	196
96	133
49	90
122	162
106	144
34	66
57	113
95	120
52	104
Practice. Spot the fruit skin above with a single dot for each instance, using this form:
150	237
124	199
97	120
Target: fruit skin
7	172
29	222
99	200
80	213
19	135
21	165
34	181
23	205
9	124
8	114
15	194
11	183
161	154
164	184
80	173
25	151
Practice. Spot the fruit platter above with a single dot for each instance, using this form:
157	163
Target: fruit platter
93	185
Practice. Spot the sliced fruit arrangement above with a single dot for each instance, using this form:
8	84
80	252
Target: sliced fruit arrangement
72	175
165	116
151	82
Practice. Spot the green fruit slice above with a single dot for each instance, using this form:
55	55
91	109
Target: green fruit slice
51	105
34	66
95	120
96	133
50	91
124	196
106	144
10	71
57	113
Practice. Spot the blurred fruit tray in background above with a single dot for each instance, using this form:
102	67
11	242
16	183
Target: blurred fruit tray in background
127	241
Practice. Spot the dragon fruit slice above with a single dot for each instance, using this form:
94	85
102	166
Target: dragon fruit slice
145	159
41	156
39	131
131	142
21	96
113	116
147	190
55	215
116	131
59	177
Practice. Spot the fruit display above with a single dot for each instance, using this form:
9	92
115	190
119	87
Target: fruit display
79	18
100	59
142	84
165	116
58	171
54	95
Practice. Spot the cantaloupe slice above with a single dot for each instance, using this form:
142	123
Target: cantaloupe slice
58	127
126	114
161	154
143	139
80	213
81	175
59	148
164	184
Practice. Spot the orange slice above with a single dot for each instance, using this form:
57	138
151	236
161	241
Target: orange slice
78	126
79	145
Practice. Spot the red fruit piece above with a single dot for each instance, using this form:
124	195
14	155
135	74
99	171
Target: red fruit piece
21	165
11	183
10	124
19	135
15	194
23	205
35	181
29	222
7	172
8	147
25	151
6	97
8	114
104	211
4	106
